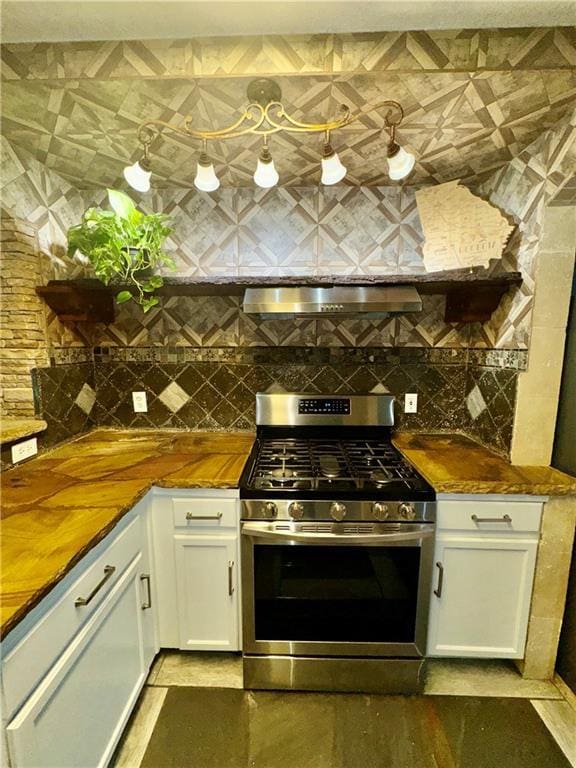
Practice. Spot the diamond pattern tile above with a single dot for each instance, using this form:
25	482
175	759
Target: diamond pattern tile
173	397
85	399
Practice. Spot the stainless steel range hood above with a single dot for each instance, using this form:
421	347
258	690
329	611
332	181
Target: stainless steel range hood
336	300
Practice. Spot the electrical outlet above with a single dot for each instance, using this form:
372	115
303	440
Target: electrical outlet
411	403
24	450
140	402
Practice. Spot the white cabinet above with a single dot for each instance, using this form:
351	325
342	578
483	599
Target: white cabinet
75	716
73	670
484	564
196	536
206	568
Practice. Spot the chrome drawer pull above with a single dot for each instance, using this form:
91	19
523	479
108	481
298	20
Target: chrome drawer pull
438	590
503	519
108	571
190	516
230	582
148	604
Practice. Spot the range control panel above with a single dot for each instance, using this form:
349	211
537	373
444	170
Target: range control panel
340	405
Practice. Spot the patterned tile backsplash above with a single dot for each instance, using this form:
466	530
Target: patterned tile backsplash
65	396
214	389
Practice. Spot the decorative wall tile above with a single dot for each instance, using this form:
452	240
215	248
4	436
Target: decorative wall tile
525	48
201	321
514	359
460	124
85	399
64	394
357	332
289	331
359	231
270	54
522	190
475	403
217	394
405	51
491	398
442	50
205	232
428	329
132	327
173	397
278	231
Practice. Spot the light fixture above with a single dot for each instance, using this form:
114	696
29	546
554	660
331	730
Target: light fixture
138	175
400	162
206	179
332	169
266	175
263	116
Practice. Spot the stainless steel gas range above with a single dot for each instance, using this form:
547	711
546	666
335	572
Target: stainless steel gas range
337	540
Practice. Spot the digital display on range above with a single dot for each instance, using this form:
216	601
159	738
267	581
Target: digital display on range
334	405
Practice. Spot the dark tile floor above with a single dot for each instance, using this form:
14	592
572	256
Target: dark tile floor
226	728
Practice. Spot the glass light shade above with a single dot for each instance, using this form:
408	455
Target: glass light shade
137	177
266	175
332	169
400	164
206	179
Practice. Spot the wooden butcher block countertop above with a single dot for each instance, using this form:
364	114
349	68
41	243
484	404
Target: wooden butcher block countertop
58	506
456	464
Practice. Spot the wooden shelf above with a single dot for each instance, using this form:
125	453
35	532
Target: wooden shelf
471	295
82	301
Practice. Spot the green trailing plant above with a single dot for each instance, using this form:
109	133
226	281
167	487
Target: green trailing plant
124	246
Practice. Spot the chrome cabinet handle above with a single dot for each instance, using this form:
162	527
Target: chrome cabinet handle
190	516
148	603
438	590
230	578
503	519
108	571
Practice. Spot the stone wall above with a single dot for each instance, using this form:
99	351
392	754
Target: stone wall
23	332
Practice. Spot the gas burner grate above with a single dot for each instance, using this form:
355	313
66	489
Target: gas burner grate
329	465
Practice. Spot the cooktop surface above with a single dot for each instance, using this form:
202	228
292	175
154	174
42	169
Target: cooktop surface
347	468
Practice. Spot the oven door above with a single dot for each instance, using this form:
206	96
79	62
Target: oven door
321	590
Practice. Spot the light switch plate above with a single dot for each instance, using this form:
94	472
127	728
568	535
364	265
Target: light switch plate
140	402
24	450
411	403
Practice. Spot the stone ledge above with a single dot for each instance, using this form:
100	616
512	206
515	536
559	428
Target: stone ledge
16	429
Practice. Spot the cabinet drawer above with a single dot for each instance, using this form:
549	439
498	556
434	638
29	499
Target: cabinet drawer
489	516
196	514
32	657
75	716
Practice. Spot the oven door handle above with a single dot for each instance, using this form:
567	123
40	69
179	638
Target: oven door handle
256	532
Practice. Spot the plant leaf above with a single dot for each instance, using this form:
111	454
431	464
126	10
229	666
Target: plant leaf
123	297
147	304
122	205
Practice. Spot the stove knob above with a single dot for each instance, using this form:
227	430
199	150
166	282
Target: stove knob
338	510
380	511
269	509
406	511
296	510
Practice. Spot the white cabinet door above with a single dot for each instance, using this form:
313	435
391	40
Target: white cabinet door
483	604
206	575
76	715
